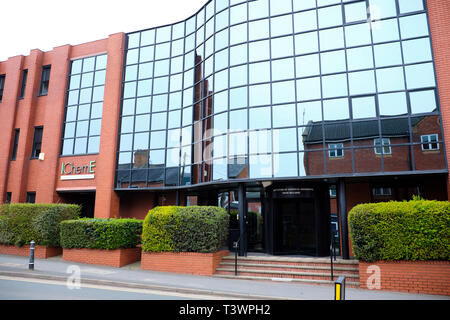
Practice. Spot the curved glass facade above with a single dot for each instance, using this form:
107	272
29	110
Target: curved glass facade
270	89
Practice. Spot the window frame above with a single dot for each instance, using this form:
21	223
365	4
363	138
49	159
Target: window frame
429	143
336	148
37	141
45	80
382	146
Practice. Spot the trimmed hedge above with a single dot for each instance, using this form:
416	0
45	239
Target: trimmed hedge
185	229
22	222
409	230
98	233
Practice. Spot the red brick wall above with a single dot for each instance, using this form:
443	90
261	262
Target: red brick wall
113	258
40	252
429	277
438	13
183	262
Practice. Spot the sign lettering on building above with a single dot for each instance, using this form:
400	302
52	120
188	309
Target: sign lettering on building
71	171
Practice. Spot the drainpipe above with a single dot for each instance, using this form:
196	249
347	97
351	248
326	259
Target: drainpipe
344	222
242	211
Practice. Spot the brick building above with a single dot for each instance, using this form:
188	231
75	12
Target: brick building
270	107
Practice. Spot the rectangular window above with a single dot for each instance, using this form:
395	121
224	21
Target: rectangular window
16	144
37	142
8	197
45	80
382	191
382	146
429	142
336	150
2	85
31	197
24	83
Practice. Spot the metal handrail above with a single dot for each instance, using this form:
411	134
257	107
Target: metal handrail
236	249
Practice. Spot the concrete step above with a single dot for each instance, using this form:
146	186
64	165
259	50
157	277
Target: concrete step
350	284
289	269
285	273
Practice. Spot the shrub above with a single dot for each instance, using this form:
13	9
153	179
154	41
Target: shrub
414	230
22	222
185	229
97	233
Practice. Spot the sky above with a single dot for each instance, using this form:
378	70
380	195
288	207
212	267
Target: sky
44	24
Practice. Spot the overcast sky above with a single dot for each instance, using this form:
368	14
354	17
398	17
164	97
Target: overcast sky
45	24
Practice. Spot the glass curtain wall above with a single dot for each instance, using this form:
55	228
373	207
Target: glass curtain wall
280	89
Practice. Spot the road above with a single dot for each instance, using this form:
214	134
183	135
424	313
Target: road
37	289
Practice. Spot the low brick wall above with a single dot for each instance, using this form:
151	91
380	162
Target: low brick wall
40	252
113	258
204	264
429	277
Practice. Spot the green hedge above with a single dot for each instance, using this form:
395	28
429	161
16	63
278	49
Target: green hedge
185	229
22	222
409	230
98	233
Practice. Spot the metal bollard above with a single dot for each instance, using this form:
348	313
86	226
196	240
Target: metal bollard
339	289
31	263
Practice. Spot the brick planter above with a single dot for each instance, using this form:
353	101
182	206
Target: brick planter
113	258
40	252
428	277
204	264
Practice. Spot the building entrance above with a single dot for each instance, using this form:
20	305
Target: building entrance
294	226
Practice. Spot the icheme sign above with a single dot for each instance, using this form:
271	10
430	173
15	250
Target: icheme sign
72	171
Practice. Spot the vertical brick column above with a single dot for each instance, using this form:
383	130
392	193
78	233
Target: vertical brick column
26	120
53	120
106	200
8	109
438	13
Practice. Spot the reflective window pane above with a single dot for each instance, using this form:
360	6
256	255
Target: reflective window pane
307	65
388	54
407	6
306	43
331	39
285	165
284	115
260	118
259	95
309	112
382	8
420	76
334	86
385	30
423	101
238	98
259	72
280	6
390	79
364	107
283	92
283	69
358	34
305	21
284	140
308	89
282	47
281	25
336	109
355	12
361	82
417	50
259	50
414	26
359	58
332	62
258	29
392	104
330	16
260	166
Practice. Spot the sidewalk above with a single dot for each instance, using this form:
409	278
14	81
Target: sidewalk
132	276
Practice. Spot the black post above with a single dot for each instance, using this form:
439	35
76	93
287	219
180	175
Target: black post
242	221
31	263
344	222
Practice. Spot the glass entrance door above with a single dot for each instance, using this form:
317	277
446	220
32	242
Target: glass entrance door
294	226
